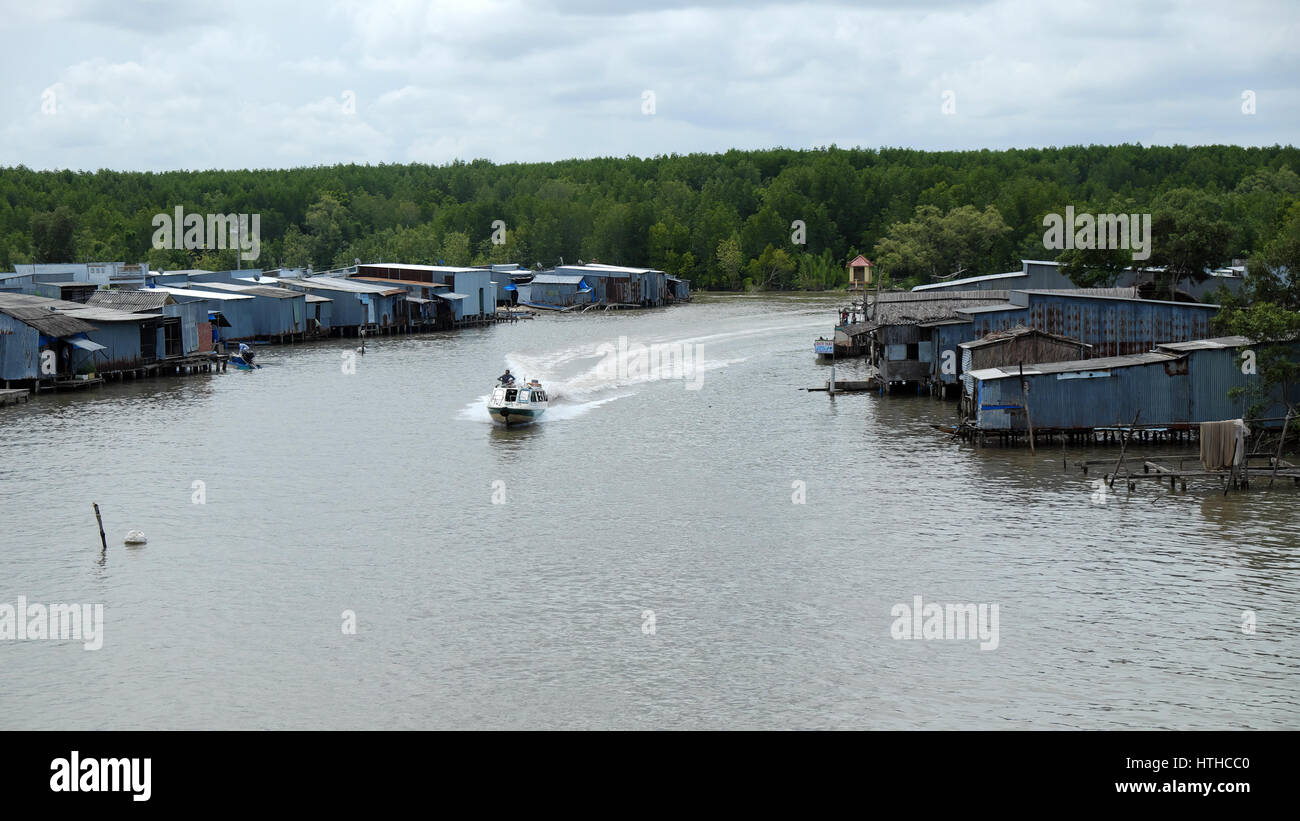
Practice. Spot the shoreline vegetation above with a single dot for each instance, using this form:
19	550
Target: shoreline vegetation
738	221
777	219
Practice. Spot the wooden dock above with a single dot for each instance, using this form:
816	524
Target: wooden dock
12	396
1177	469
846	386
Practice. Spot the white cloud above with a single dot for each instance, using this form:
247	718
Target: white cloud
251	84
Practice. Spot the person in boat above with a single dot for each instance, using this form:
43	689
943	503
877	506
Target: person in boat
246	353
506	378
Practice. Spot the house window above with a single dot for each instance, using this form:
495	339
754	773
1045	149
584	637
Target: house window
913	350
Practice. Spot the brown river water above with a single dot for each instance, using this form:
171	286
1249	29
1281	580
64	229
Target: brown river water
722	550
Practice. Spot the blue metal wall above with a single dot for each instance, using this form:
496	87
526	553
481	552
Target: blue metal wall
1114	327
1184	391
1066	401
273	316
19	349
480	293
122	340
191	313
1214	373
239	313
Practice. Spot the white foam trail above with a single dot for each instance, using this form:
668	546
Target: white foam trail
579	380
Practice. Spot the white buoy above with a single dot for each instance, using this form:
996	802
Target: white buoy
135	537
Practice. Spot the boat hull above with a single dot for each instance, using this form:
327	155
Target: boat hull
515	417
240	364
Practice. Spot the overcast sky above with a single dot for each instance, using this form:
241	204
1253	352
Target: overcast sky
236	83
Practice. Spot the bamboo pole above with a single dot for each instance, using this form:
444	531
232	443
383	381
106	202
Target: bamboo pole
1123	446
102	539
1278	457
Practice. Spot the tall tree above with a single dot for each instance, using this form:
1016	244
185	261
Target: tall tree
54	235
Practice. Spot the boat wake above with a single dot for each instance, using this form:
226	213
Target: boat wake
579	380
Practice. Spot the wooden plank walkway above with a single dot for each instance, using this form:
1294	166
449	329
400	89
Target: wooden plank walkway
12	396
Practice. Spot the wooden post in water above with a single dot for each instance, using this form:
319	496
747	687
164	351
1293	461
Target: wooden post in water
1123	446
1024	400
102	540
1278	457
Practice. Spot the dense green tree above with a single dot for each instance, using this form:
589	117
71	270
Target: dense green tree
934	245
922	214
54	235
1189	238
730	260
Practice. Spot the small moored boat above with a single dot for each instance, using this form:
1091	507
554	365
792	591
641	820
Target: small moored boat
518	403
242	364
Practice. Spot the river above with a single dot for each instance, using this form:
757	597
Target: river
719	551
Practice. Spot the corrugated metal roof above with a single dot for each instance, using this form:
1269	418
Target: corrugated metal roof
1102	364
964	280
87	345
317	298
1101	293
195	292
449	295
405	283
351	286
912	308
1207	344
253	290
622	269
45	321
938	296
273	292
101	314
602	271
147	299
447	269
40	301
983	309
557	279
1011	333
935	323
1118	293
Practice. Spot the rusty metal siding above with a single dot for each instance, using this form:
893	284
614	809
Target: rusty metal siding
1113	327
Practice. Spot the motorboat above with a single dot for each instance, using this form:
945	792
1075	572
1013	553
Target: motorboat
515	404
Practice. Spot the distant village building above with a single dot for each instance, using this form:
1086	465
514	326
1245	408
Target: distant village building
860	273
